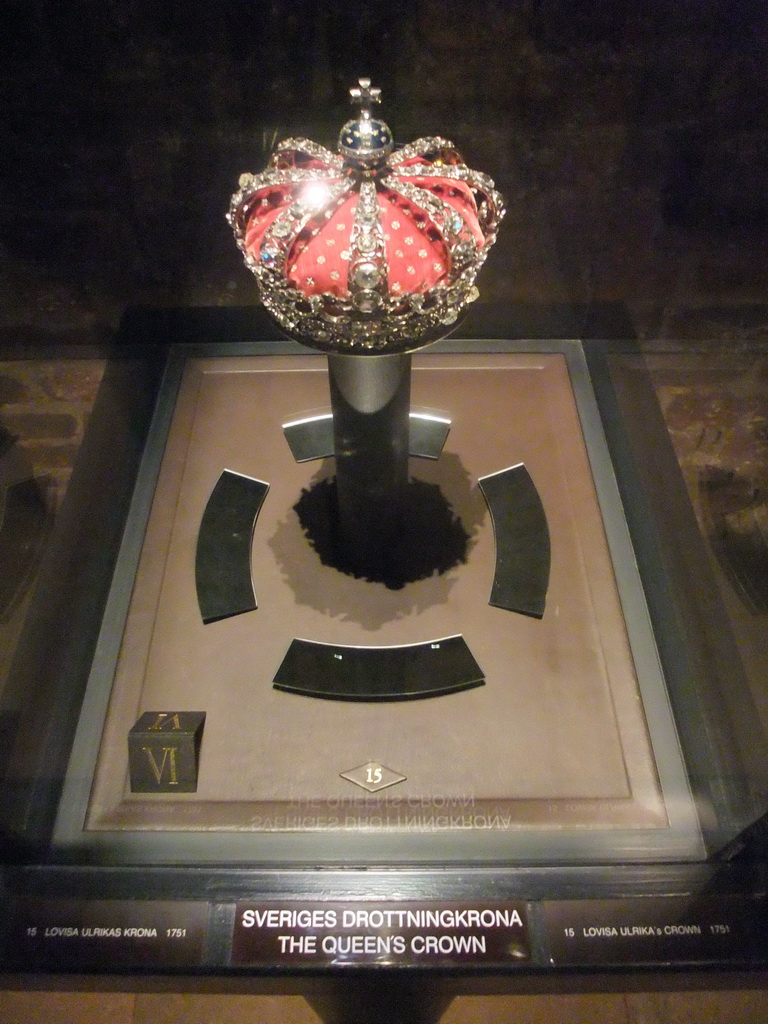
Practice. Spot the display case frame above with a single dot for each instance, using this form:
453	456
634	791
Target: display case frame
369	845
712	858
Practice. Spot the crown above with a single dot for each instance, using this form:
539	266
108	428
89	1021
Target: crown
369	250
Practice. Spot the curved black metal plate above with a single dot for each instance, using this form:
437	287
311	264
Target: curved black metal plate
223	558
523	552
332	672
312	437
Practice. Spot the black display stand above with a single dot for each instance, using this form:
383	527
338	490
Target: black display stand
367	939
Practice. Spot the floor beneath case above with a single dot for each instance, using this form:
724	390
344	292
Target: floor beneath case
740	1006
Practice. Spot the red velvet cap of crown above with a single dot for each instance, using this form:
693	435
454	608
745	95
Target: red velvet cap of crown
417	256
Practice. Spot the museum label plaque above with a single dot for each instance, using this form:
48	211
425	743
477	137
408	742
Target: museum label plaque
437	934
84	935
668	929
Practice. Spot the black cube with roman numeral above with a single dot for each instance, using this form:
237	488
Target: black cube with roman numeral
164	751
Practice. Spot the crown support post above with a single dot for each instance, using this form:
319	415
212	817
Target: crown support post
370	400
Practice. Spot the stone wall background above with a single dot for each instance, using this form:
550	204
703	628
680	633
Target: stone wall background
629	137
44	410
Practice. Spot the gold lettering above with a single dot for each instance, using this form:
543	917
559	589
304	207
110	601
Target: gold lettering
158	771
160	722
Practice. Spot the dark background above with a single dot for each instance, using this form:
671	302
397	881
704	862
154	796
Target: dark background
628	136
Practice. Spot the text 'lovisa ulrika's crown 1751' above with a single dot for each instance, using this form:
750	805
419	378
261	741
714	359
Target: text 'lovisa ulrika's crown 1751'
371	250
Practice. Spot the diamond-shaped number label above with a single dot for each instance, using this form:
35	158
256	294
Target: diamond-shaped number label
373	776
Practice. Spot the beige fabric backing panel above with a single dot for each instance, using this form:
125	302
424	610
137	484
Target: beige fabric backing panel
556	738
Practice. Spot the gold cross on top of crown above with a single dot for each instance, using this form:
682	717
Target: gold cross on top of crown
364	95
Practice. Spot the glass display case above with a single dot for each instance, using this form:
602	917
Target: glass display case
532	749
539	746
